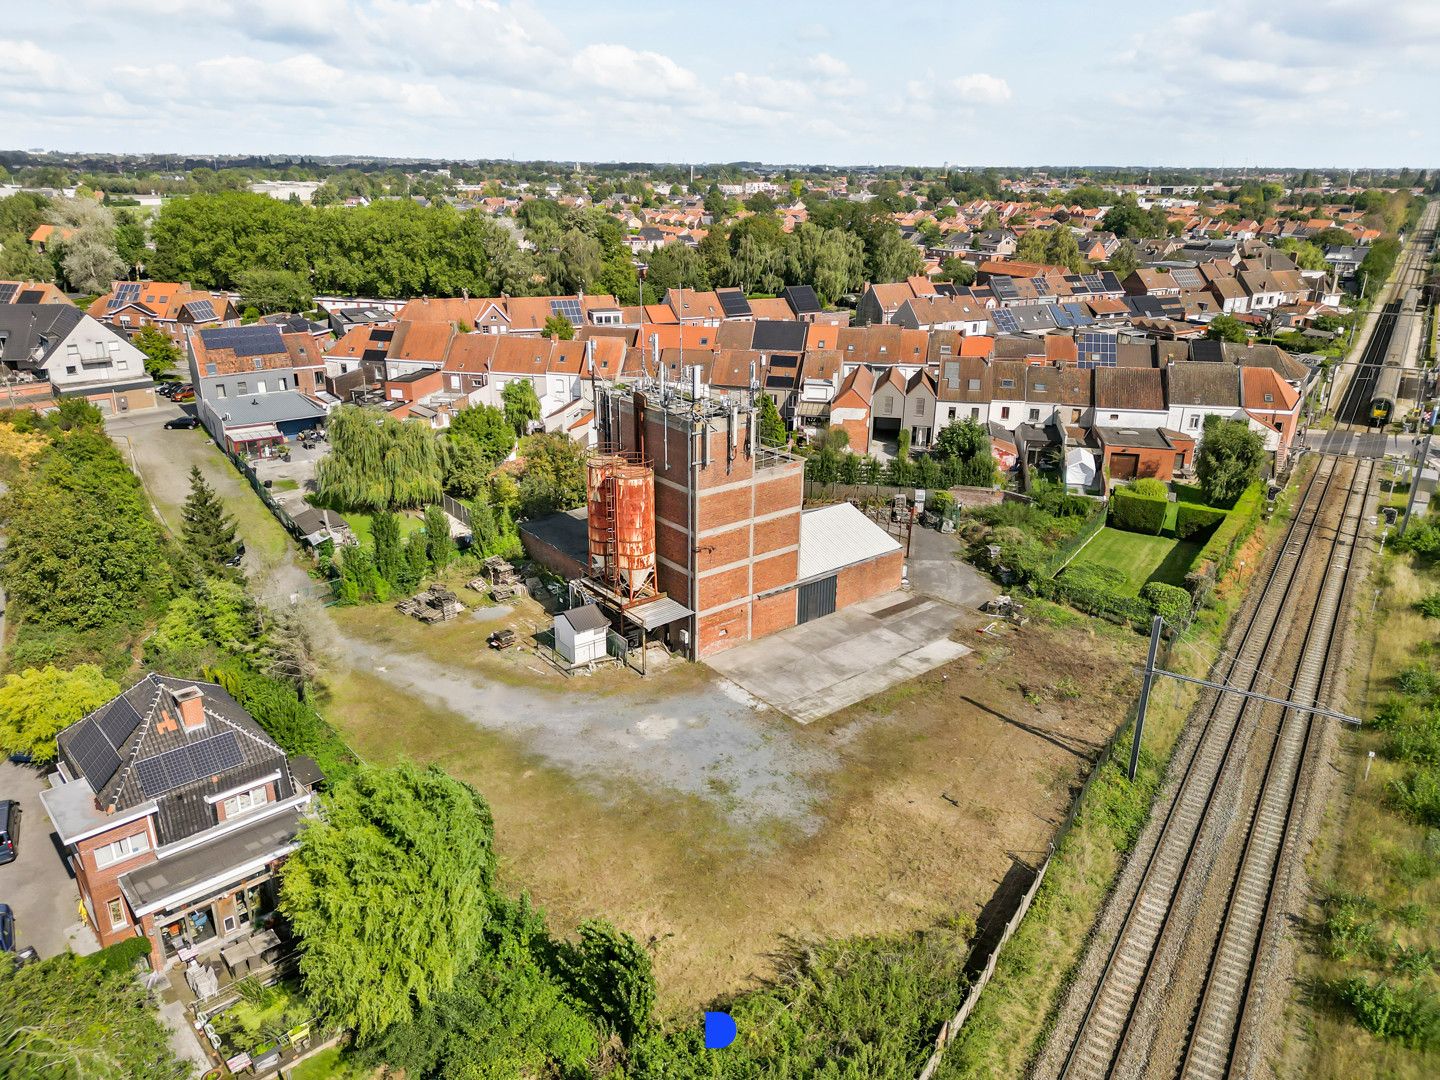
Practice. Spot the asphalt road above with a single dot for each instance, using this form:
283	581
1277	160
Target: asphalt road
38	884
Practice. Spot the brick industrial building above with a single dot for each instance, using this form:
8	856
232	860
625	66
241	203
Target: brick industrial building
735	555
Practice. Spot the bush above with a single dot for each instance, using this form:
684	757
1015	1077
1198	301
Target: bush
1192	518
123	955
1409	1016
1134	512
1170	602
1149	488
1429	605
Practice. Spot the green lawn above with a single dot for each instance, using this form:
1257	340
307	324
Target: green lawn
360	526
1142	558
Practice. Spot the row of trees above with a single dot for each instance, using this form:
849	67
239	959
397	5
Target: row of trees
961	457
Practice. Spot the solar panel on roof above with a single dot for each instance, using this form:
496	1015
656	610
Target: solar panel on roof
128	292
30	296
569	308
215	755
202	310
96	757
780	380
1004	320
1041	284
257	340
7	292
802	299
1004	288
118	722
734	304
1096	349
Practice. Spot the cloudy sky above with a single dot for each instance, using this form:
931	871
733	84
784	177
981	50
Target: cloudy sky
1289	82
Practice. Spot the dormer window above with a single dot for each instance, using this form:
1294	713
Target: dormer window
246	801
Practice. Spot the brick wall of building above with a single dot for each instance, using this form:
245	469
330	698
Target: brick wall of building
102	884
867	579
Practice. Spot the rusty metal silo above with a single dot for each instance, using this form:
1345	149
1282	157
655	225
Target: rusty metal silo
633	497
600	511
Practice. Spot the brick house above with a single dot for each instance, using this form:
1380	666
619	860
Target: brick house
174	810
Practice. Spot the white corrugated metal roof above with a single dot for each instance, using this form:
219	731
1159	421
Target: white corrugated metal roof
836	536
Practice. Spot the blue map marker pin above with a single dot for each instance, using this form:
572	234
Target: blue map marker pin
719	1030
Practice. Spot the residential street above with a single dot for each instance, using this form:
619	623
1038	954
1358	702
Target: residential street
163	460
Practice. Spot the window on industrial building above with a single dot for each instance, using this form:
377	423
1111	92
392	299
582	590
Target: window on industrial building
241	386
1179	461
284	384
219	390
920	406
1194	422
245	801
1007	384
260	387
116	911
1040	388
122	849
1004	412
975	413
1034	415
974	384
953	411
70	370
1114	416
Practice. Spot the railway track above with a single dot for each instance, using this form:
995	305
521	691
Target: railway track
1109	1039
1229	982
1355	403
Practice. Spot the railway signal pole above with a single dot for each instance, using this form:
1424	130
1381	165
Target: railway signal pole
1148	676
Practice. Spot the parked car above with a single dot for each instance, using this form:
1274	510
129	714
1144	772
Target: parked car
9	829
234	560
183	423
185	393
7	929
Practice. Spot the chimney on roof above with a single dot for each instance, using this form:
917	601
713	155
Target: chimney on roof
190	703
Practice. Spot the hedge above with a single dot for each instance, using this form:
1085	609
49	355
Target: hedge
1191	518
1239	523
123	955
1137	513
1097	590
1067	551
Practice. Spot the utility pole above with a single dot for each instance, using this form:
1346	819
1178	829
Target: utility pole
1151	671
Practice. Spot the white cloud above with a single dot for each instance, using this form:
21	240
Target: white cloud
827	66
625	71
980	89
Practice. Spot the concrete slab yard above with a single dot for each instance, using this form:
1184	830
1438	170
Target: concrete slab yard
811	671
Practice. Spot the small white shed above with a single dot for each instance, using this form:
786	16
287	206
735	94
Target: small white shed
580	634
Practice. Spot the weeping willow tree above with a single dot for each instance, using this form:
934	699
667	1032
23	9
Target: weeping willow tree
378	463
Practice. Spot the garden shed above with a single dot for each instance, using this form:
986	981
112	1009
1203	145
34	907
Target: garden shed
580	635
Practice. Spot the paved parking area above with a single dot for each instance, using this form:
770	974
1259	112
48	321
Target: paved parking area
37	885
937	570
811	671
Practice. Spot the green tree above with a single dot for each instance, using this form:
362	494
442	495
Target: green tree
89	554
162	356
1227	328
87	256
893	258
1230	459
439	544
965	446
522	407
772	427
488	428
37	703
958	270
1123	261
1307	256
274	290
208	532
378	462
902	452
554	474
559	327
611	973
389	893
388	552
74	1018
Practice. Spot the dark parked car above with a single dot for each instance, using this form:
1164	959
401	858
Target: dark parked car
183	423
9	829
7	929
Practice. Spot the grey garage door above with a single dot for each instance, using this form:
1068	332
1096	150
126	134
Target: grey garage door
816	598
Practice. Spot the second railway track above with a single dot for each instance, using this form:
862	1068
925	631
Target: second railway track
1114	1034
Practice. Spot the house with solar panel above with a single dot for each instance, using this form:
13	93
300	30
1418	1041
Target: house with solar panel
255	385
59	351
175	810
170	306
